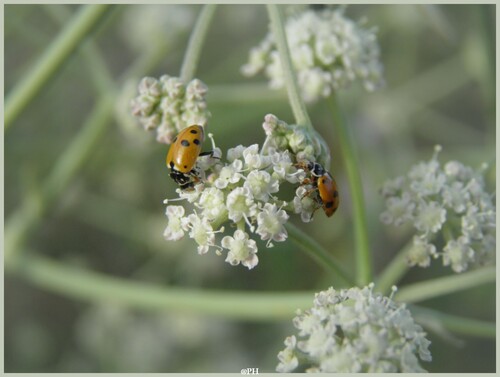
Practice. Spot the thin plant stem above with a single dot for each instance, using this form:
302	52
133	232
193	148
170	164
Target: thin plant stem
292	86
80	284
445	285
26	217
55	56
362	249
317	252
101	77
454	323
196	40
394	271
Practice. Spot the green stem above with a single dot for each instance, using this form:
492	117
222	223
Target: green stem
459	325
77	283
317	252
441	286
394	271
292	86
57	53
196	41
362	249
23	220
101	77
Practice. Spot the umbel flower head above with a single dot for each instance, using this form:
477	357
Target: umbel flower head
329	51
447	203
355	330
169	105
243	192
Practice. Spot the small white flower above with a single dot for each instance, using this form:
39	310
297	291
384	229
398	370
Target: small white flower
392	187
235	153
212	201
240	204
456	196
270	223
252	157
430	183
241	249
288	359
421	252
399	210
174	230
429	217
303	204
471	223
458	254
261	184
229	174
314	82
201	231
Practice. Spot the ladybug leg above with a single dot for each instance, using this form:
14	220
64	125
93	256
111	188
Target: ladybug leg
309	192
209	154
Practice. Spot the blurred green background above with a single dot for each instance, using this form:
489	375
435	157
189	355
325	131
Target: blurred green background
440	75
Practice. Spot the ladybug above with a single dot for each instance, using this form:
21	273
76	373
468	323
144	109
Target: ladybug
324	184
182	156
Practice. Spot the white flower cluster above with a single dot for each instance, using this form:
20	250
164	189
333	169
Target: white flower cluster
451	200
169	105
242	190
354	330
328	50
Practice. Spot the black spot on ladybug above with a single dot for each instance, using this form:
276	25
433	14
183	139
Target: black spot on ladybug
335	194
185	166
185	143
171	164
196	141
323	180
329	204
194	131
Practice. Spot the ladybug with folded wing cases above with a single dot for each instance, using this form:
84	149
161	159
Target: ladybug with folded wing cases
182	156
324	184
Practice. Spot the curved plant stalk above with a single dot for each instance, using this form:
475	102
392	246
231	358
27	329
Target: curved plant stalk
362	249
292	86
81	284
95	287
434	319
58	52
192	55
27	216
315	250
394	271
449	284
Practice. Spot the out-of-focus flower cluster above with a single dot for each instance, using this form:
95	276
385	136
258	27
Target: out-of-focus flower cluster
329	51
165	23
450	200
244	191
115	339
169	105
355	330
